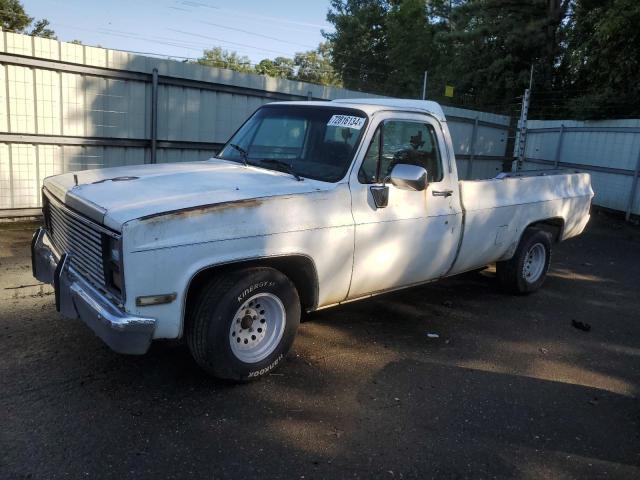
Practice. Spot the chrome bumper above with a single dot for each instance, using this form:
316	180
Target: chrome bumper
77	298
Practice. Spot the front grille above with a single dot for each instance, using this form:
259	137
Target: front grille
80	238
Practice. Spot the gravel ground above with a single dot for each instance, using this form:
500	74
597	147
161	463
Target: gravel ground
508	389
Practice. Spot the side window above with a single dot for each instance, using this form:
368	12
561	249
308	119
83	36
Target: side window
412	143
369	169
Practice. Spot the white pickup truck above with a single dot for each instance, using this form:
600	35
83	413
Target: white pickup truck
309	205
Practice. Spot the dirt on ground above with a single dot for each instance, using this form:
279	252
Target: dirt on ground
450	380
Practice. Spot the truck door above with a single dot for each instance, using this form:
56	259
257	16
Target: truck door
414	237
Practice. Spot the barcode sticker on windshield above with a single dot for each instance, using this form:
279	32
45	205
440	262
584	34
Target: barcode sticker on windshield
346	121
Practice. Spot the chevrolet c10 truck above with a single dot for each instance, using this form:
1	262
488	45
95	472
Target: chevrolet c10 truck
308	206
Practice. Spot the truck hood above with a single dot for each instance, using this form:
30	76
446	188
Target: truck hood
113	196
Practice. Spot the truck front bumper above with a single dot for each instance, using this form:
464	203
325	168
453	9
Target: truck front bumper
77	298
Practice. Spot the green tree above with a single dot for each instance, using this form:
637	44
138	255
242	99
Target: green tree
385	46
602	59
280	67
41	29
360	43
412	27
220	58
485	48
315	66
14	19
494	43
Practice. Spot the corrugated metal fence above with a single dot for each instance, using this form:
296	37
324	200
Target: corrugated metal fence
609	150
66	107
479	141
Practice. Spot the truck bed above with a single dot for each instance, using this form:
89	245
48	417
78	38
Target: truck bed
498	210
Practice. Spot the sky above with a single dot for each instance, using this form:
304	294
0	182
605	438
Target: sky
184	28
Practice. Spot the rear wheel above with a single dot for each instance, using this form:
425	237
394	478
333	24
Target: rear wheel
527	270
243	323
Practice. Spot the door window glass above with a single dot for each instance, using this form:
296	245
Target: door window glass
369	169
405	142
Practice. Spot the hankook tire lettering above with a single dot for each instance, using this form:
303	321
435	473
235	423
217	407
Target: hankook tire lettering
264	370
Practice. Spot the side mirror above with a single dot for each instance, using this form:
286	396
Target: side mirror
408	177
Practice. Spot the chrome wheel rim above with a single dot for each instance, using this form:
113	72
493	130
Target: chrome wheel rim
257	327
534	263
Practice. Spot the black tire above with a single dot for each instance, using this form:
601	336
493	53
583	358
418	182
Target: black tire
512	274
216	305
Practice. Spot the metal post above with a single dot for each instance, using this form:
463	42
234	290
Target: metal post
522	126
634	188
559	147
472	148
424	85
309	95
531	78
154	115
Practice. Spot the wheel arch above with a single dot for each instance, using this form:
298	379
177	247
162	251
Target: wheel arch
554	226
300	269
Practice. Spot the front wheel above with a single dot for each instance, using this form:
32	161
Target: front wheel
527	270
243	323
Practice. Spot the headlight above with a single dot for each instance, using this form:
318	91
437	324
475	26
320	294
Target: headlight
113	263
114	250
45	212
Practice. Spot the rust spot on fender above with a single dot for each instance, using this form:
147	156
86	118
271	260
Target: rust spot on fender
209	208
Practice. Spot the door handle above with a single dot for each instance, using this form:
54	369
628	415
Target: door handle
442	193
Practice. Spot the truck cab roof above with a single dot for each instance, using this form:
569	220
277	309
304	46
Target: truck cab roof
427	106
373	105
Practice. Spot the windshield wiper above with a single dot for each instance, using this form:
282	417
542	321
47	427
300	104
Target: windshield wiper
290	170
242	151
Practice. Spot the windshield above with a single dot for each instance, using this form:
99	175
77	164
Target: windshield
314	142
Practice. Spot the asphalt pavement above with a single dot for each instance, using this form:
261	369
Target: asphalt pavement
450	380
